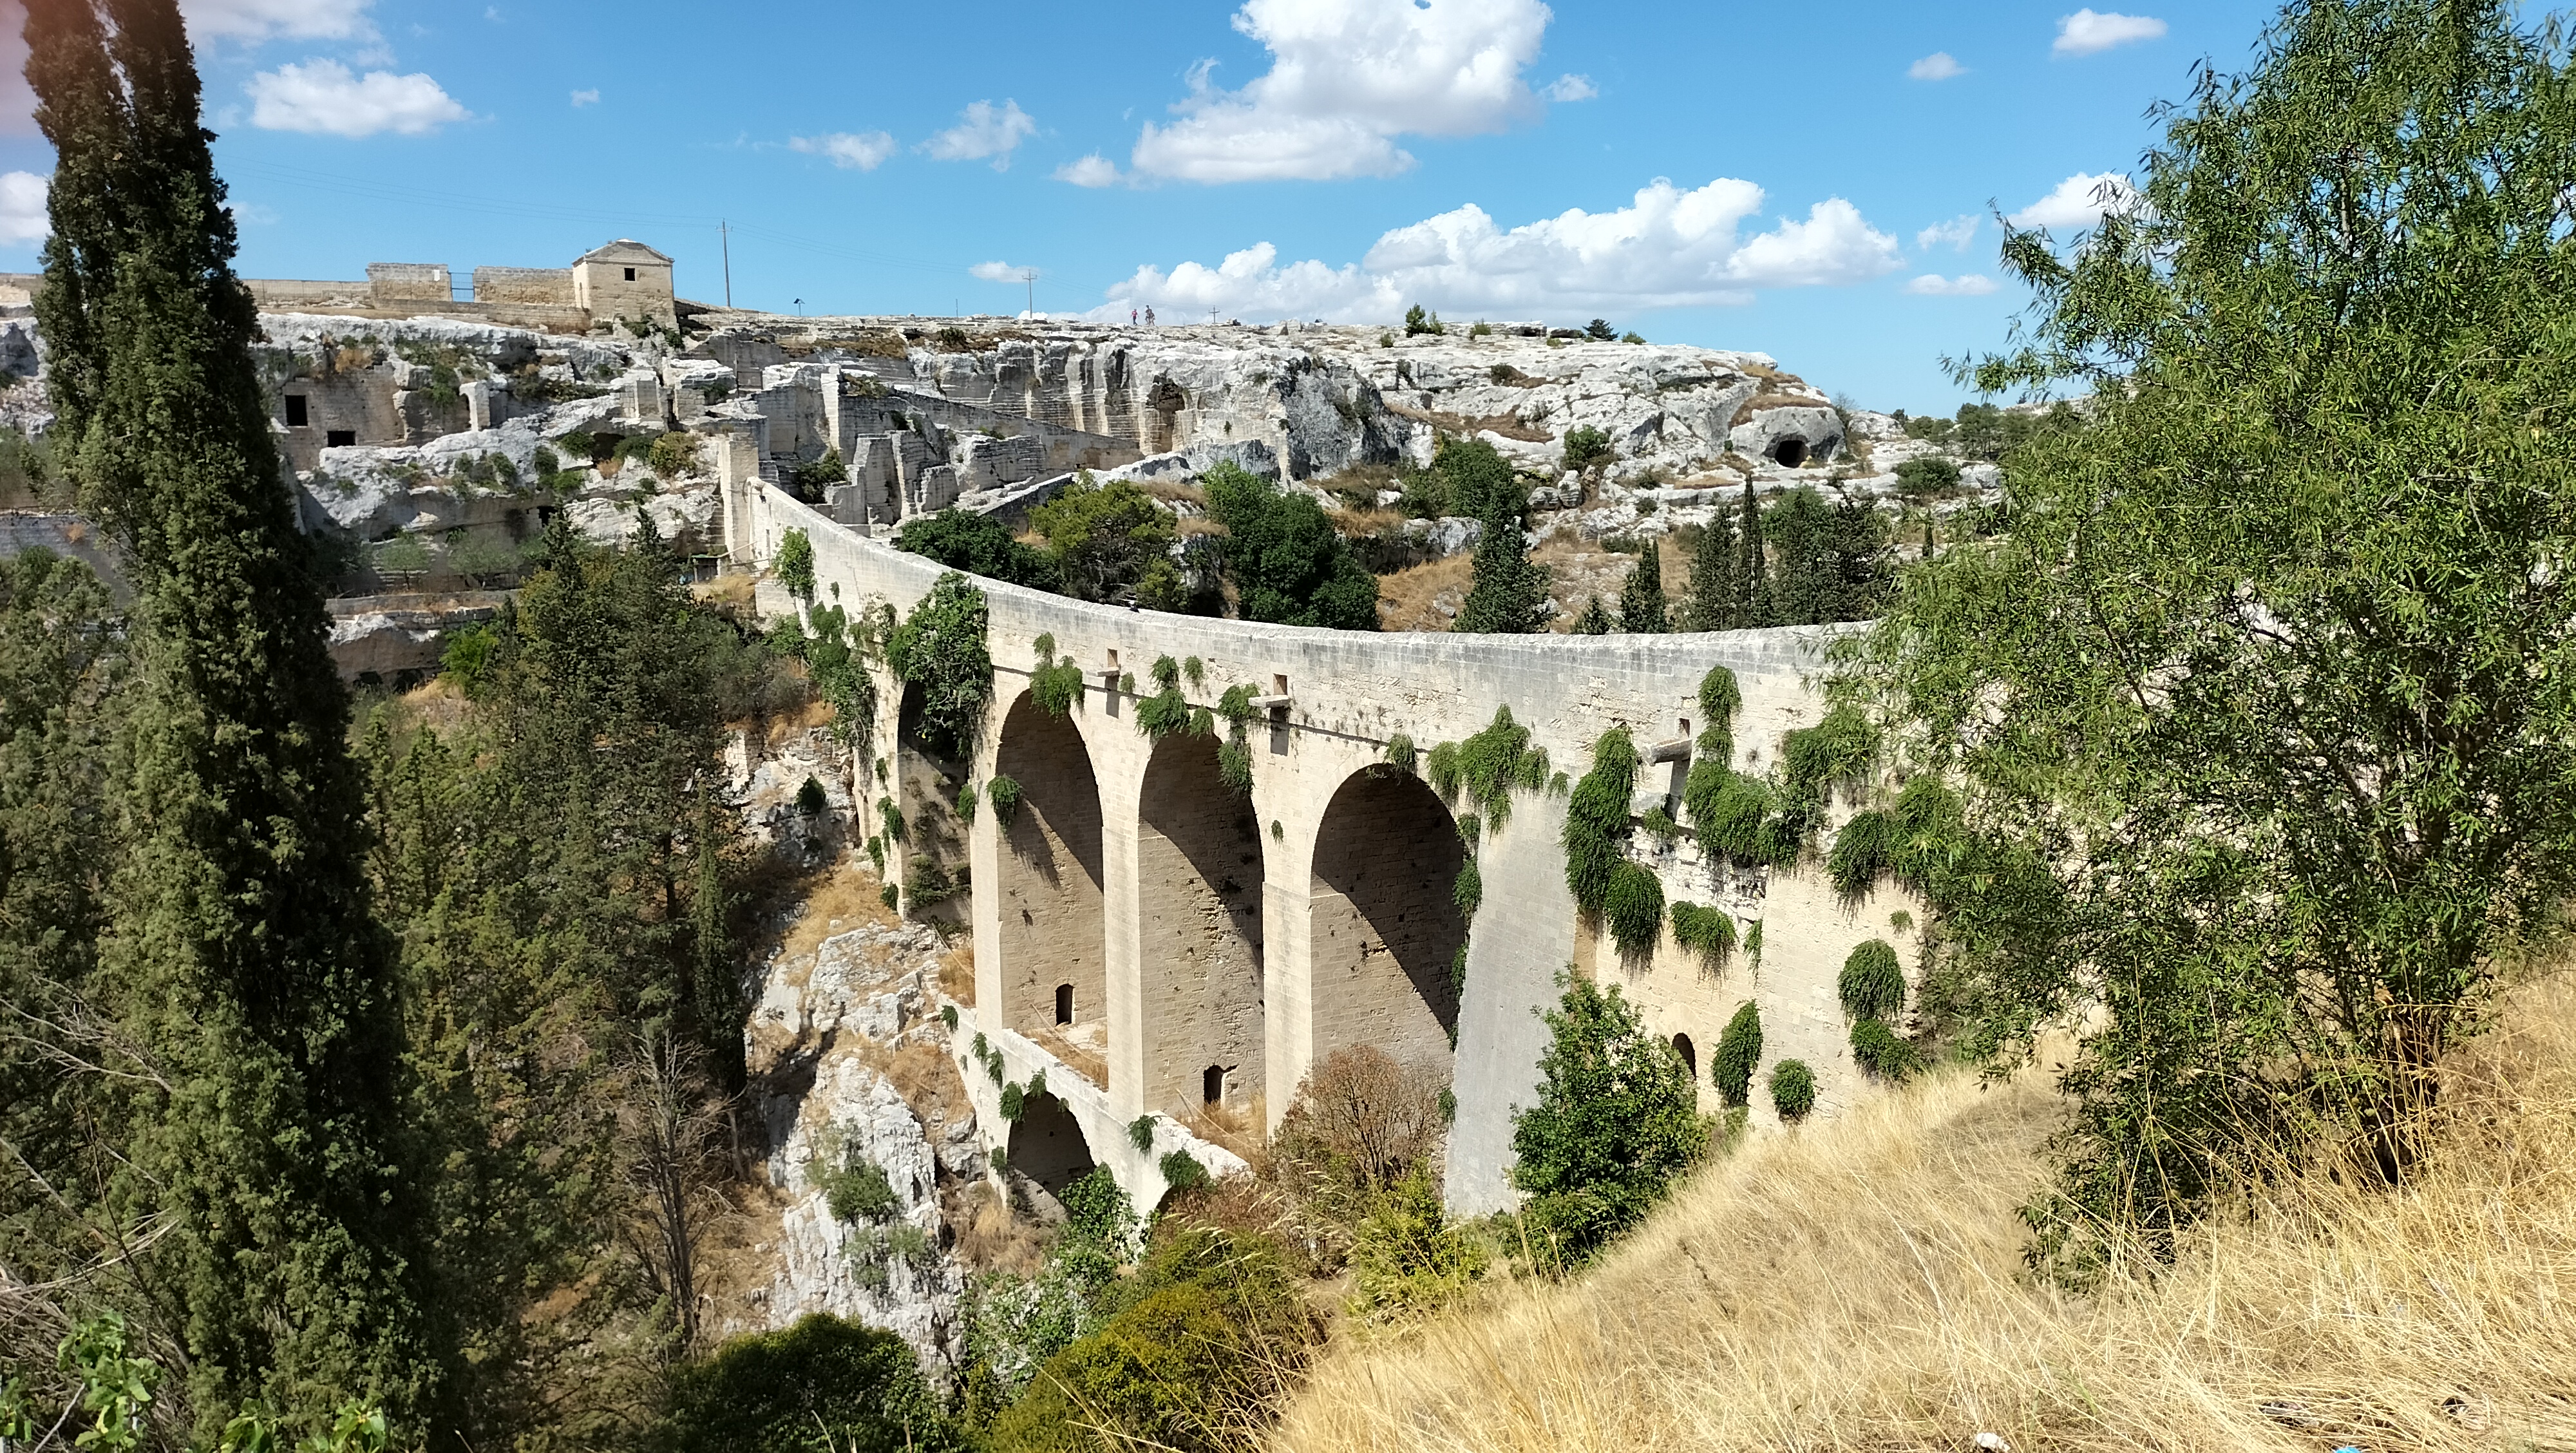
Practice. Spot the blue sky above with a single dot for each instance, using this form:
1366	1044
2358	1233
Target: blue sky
1768	177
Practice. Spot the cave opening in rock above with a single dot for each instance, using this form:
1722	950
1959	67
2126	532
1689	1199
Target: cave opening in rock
1790	453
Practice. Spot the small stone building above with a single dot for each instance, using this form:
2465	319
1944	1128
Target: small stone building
625	279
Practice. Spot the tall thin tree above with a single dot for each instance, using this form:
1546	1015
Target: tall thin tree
1754	568
242	957
1715	600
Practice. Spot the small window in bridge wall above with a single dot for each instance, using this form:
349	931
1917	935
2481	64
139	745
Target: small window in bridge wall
1690	1057
1064	1003
1212	1085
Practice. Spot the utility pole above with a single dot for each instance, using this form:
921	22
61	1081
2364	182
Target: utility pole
724	233
1029	275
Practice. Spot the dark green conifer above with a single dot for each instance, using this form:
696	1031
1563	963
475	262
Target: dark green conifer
1754	566
1642	610
1715	601
1508	592
1594	621
242	962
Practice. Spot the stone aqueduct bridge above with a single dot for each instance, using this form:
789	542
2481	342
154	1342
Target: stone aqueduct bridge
1155	943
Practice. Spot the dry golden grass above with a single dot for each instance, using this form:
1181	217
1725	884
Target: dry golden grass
1404	597
734	587
923	1075
836	900
957	971
1857	1285
989	1236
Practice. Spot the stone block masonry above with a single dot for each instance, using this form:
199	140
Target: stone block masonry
1236	941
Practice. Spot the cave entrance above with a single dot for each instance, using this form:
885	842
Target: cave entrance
1790	453
1385	929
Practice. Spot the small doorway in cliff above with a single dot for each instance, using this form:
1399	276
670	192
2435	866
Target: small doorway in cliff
1789	453
1384	929
1048	905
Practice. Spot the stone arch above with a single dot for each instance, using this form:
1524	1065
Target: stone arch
1385	929
1690	1056
1047	1144
1052	927
1198	881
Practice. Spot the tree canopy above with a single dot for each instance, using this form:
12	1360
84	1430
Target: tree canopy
1288	563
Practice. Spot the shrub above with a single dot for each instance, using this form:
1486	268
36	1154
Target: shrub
1599	330
1440	769
850	1388
1872	985
1288	563
810	799
948	1016
1489	766
1720	698
1360	1120
1015	1101
1586	447
1406	1259
1597	819
1055	685
1234	764
1709	932
1416	321
1614	1123
1835	752
674	454
1634	908
1468	892
1883	1052
978	545
1004	794
892	816
1182	1171
1916	478
1793	1089
1140	1133
796	564
1728	812
1098	1212
1862	850
1660	825
1166	712
890	896
1106	539
940	647
854	1187
1400	753
1739	1049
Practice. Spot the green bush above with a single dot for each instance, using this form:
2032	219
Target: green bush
1634	909
1199	1342
1288	563
810	799
1163	714
1109	541
1872	985
1004	794
1615	1121
1586	447
1014	1101
1440	769
1406	1259
1055	685
821	1386
1182	1171
1097	1211
978	545
1916	478
1731	814
795	564
1400	753
1468	892
1234	763
1710	932
890	896
940	647
1597	819
1140	1133
1739	1049
1417	321
1883	1052
948	1016
1490	766
892	817
1793	1089
1862	850
674	454
1835	752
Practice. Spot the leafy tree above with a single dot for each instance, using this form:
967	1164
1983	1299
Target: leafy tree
796	564
1929	475
242	966
1108	540
1642	609
1585	447
1599	329
1615	1122
821	1386
941	648
2296	587
978	545
1476	481
1288	563
1715	598
1417	321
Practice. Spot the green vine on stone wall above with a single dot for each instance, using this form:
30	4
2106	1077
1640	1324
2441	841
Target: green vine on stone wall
1166	713
1739	1049
1004	794
1400	753
1056	685
1596	822
940	647
1708	932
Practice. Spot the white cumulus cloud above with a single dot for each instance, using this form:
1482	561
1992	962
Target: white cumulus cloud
586	98
22	208
1966	285
1094	170
1956	233
258	20
1347	77
983	130
323	97
1570	87
2089	33
2079	201
1938	66
1668	248
861	150
1000	272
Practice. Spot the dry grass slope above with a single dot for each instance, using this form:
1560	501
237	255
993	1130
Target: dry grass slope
1857	1286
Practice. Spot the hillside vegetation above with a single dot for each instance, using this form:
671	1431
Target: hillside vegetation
1861	1286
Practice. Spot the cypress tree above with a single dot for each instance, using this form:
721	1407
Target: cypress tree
1715	601
242	960
1509	591
1803	588
1594	621
1754	566
1641	599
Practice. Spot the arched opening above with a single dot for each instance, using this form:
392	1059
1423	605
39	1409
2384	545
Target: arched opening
931	860
1690	1056
1198	882
1212	1085
1385	927
1049	900
1047	1144
1790	453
